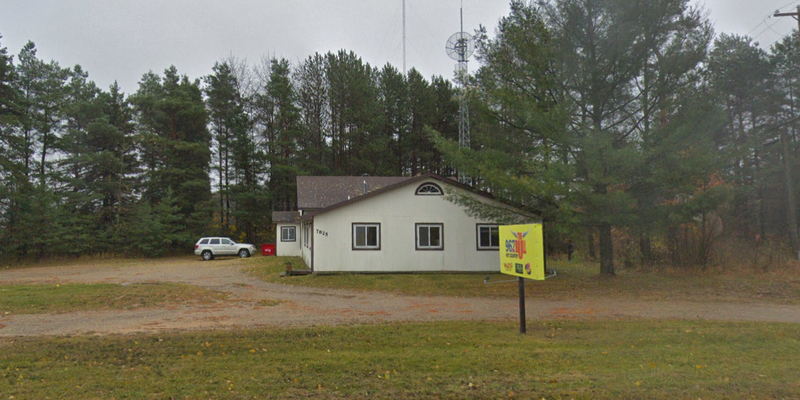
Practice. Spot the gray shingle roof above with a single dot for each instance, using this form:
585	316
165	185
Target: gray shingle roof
314	192
285	217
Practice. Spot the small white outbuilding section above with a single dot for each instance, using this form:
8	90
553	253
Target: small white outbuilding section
390	224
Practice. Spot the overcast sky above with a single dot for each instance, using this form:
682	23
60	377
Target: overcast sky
122	39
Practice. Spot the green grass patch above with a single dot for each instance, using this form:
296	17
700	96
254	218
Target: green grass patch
58	298
453	360
575	280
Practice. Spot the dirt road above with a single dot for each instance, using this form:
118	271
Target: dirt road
301	306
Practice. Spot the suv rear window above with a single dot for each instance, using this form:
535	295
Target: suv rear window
214	241
204	241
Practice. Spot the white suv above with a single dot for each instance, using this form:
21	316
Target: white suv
210	247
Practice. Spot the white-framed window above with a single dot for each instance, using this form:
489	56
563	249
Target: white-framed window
307	235
488	237
366	236
288	233
429	189
429	236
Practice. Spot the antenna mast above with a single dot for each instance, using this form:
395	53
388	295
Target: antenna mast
404	37
460	47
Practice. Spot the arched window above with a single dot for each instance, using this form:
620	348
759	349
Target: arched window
428	189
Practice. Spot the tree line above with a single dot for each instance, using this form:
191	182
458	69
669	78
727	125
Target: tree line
86	170
633	129
630	124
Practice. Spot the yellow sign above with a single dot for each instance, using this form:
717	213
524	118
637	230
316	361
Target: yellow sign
522	251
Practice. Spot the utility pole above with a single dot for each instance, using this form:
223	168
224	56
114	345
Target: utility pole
791	195
795	15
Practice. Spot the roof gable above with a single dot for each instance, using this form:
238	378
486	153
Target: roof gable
407	181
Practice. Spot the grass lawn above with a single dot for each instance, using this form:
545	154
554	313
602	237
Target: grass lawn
455	360
33	299
574	280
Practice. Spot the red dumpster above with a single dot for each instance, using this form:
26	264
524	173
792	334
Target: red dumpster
268	249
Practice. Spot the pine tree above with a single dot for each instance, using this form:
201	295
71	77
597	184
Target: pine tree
785	61
172	121
312	101
99	164
280	118
10	174
739	74
228	121
417	145
571	91
43	86
354	113
393	97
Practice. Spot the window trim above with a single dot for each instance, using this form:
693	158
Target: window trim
441	192
353	236
478	237
429	224
289	227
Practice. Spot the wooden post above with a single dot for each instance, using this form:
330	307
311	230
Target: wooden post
522	325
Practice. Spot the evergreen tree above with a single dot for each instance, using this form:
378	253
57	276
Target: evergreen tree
241	197
228	121
152	230
785	61
172	122
393	97
354	113
281	121
739	74
312	102
99	164
417	145
43	86
444	120
10	174
562	90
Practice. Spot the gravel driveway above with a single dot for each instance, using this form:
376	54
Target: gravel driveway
303	306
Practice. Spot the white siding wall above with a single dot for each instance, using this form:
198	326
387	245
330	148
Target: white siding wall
306	247
397	211
287	248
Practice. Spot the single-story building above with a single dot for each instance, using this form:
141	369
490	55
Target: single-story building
390	224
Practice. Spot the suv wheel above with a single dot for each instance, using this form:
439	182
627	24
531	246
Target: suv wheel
243	253
207	256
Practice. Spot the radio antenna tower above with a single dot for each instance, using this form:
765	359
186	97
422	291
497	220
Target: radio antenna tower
460	47
404	38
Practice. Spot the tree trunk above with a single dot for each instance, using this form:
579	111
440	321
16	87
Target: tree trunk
221	191
606	250
590	244
646	249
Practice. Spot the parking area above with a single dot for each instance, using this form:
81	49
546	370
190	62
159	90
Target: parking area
252	302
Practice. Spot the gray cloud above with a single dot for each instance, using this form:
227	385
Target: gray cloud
121	40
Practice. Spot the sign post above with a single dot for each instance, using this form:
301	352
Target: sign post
522	255
523	326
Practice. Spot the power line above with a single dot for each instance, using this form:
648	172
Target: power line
764	30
